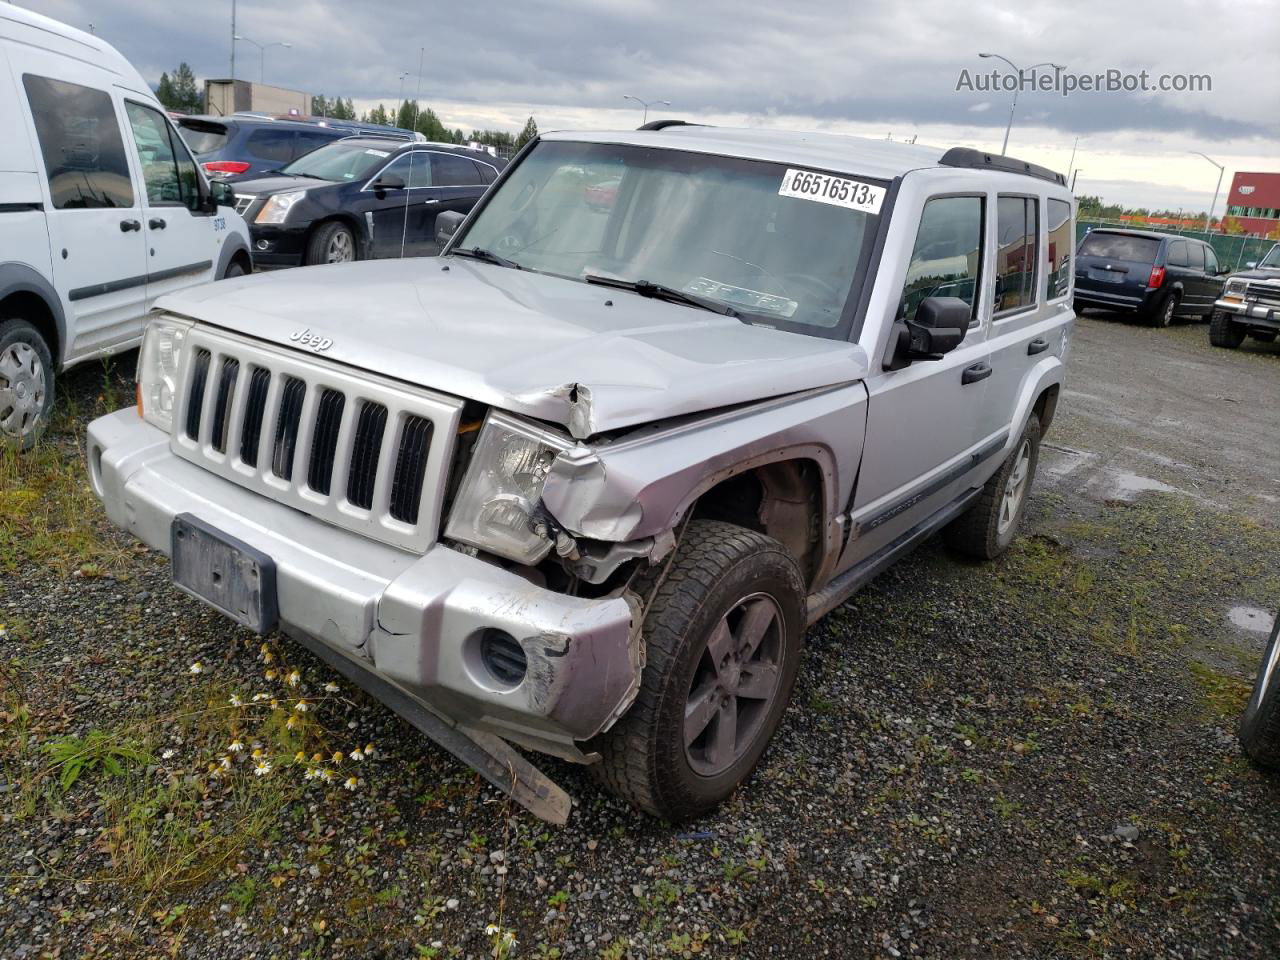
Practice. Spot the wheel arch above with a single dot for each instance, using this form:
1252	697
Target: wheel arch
234	250
23	289
347	219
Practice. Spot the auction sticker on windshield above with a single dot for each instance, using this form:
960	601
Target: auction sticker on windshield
824	188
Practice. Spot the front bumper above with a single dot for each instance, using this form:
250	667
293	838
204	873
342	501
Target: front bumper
278	246
413	620
1251	311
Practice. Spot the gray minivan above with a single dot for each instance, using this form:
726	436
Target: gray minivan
1159	276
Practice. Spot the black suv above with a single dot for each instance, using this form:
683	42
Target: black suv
361	198
1157	275
242	146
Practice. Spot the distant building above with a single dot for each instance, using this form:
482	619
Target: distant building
222	97
1254	200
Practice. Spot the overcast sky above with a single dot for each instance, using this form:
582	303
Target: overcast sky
872	68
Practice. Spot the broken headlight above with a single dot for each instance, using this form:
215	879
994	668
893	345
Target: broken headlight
494	508
158	370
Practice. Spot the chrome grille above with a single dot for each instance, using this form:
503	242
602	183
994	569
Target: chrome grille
354	449
1265	292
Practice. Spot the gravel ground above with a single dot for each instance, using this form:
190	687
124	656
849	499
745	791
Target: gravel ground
1031	758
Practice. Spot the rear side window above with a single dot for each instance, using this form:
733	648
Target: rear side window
1195	256
1017	232
487	173
1058	214
1119	246
1177	255
80	142
274	145
308	141
451	171
947	258
203	137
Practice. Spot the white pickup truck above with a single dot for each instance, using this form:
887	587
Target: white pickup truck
580	484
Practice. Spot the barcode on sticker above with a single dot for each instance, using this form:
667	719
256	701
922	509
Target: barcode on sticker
837	191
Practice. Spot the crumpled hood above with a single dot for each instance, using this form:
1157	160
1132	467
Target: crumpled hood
524	342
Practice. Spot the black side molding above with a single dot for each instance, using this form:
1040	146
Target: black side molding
977	160
99	289
20	207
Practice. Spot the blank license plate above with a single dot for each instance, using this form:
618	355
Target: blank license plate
224	572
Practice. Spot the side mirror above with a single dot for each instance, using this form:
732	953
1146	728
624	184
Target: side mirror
938	328
221	194
1251	264
447	224
389	181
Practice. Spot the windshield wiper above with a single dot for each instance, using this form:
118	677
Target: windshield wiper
658	291
479	253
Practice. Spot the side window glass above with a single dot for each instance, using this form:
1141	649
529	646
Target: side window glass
947	258
414	169
273	145
487	173
1058	213
1016	234
1210	261
451	171
80	142
155	154
1177	253
1195	256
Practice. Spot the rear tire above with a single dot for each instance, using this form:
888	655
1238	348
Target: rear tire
987	528
26	383
1163	313
1260	725
332	242
234	269
1224	332
723	635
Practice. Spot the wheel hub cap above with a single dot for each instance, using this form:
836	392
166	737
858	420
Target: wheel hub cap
734	685
21	390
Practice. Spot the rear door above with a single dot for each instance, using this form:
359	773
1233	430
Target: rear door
1178	271
180	236
94	212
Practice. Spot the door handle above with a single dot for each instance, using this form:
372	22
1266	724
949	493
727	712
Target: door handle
155	223
979	371
431	200
127	225
1038	345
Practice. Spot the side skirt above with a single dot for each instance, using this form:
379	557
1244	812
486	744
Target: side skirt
860	574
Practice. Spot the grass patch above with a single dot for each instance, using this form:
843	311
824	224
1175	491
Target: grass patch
1224	697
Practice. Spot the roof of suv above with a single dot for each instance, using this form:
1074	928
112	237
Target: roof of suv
884	159
1149	234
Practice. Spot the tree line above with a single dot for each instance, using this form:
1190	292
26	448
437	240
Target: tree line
179	92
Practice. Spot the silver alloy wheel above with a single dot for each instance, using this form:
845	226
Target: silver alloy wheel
341	248
1170	305
1271	660
734	685
1015	488
22	385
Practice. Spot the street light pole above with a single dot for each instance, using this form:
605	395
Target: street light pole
646	105
1208	217
233	48
1014	106
262	53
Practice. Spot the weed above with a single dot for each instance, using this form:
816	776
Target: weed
96	750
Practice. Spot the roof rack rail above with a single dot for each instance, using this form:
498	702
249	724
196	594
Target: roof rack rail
663	124
977	160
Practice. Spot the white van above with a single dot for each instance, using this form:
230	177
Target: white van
102	210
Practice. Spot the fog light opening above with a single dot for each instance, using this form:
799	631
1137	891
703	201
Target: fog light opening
503	657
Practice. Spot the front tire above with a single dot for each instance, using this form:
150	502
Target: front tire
1260	725
332	242
26	383
987	528
234	269
723	634
1223	332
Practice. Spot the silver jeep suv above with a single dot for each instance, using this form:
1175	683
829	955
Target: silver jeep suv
580	484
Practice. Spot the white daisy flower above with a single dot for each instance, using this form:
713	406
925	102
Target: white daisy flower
351	783
491	929
168	754
326	774
195	668
236	746
235	701
293	678
301	706
262	769
356	754
331	687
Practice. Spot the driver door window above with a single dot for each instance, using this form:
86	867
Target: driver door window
947	258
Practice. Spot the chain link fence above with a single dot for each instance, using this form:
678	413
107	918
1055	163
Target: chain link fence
1233	251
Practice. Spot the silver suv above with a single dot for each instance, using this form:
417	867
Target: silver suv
580	484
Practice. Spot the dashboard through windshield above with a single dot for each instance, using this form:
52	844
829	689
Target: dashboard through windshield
779	245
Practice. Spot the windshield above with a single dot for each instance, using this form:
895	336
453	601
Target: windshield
744	233
1272	259
339	161
1119	246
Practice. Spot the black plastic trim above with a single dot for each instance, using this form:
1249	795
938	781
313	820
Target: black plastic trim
663	124
971	159
111	286
21	207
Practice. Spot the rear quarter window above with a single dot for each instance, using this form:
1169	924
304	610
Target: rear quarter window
1119	246
202	137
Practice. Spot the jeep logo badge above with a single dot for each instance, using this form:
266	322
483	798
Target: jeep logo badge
305	338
